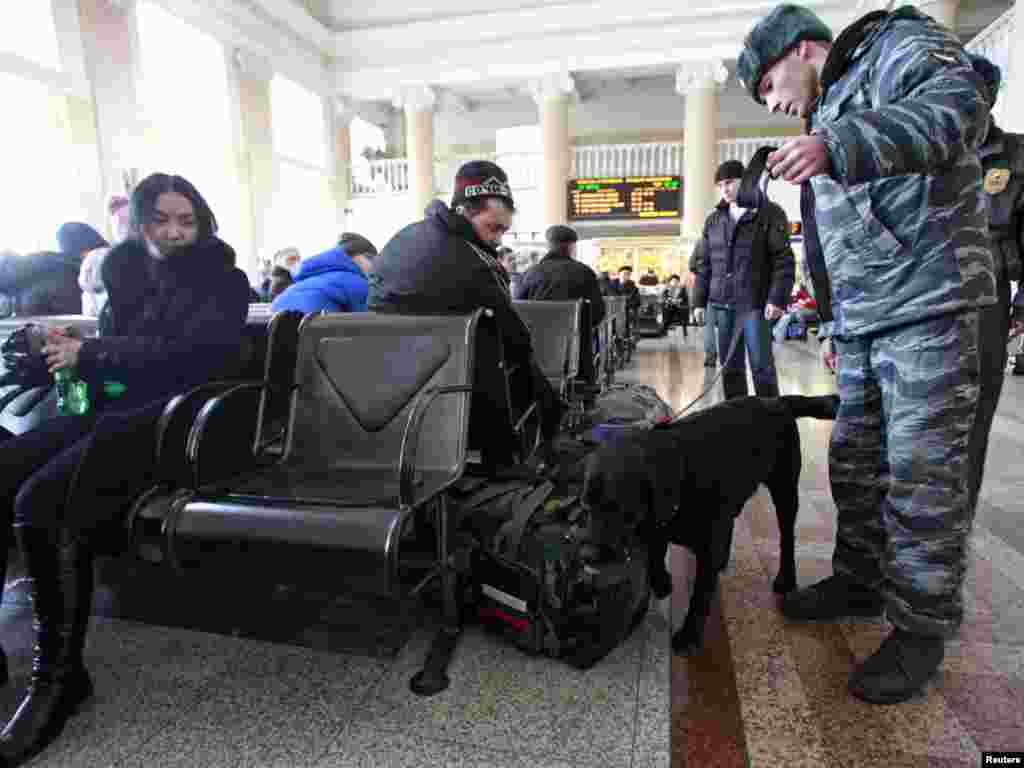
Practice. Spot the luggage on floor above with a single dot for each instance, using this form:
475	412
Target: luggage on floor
622	409
541	585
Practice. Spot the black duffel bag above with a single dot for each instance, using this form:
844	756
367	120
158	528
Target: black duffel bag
538	581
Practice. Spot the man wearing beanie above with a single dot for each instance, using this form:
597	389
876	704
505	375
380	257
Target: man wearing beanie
743	283
559	277
895	117
1002	161
446	263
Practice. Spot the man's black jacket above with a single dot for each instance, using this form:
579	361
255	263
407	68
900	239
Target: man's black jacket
746	263
440	266
561	278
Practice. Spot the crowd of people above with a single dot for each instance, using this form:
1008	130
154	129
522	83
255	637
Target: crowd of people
911	296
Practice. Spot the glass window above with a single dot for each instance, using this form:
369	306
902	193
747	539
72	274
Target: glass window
39	165
186	102
29	32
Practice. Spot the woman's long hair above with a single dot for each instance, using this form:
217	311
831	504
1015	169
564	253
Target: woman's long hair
144	197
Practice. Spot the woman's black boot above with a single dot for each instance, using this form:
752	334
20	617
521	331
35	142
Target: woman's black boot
61	570
4	547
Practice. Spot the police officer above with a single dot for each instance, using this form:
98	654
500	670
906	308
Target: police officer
559	277
1002	160
896	116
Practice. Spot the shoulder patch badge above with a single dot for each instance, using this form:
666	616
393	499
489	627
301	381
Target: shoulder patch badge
996	180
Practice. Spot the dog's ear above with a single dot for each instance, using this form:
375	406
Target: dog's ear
664	478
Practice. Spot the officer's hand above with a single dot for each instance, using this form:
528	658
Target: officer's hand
1016	328
829	358
799	158
772	312
698	316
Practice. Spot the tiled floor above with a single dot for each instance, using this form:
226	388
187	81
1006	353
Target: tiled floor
766	692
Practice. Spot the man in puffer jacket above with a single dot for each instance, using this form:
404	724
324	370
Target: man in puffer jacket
332	281
896	116
447	264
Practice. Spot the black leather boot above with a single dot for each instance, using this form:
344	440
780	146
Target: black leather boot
61	569
899	669
4	546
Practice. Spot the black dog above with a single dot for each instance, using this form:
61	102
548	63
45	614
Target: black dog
687	481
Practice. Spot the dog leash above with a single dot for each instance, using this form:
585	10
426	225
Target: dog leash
728	358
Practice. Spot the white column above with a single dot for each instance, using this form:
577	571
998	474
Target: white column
418	103
943	11
341	185
254	152
110	48
551	93
701	83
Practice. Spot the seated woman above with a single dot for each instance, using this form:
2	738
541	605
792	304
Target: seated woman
802	308
174	318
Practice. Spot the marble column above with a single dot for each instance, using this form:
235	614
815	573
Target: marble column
418	103
109	47
701	84
943	11
341	183
552	93
257	173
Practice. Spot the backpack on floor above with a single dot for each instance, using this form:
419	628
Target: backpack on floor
622	409
538	582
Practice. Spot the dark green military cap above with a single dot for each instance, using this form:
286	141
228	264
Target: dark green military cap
772	38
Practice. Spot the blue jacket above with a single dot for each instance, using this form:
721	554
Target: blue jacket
329	281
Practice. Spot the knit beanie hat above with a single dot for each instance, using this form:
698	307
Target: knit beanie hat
560	233
730	169
479	179
76	237
772	38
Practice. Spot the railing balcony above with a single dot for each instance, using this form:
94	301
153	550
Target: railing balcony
380	177
524	170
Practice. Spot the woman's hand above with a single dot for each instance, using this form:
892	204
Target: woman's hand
60	350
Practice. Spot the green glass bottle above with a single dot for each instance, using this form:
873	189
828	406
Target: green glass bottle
72	393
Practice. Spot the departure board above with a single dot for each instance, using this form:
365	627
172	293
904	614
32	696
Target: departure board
631	197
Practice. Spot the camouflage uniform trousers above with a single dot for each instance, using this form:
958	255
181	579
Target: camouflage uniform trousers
899	467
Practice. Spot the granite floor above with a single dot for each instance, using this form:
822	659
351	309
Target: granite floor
766	692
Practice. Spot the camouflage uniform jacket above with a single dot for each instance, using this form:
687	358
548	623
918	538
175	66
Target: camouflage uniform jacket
902	218
1002	159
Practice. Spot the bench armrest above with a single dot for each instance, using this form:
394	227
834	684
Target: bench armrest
411	439
173	427
221	442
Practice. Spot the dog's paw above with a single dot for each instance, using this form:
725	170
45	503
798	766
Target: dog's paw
783	584
688	641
